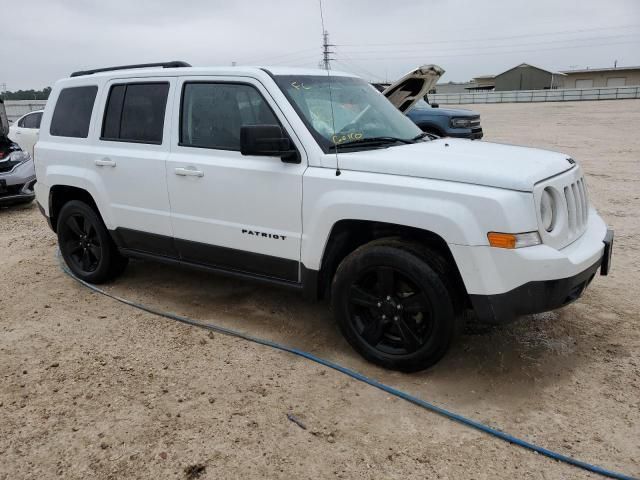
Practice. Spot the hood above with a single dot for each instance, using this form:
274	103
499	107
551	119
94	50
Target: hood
4	121
461	160
413	86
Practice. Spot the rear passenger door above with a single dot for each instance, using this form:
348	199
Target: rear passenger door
129	162
229	210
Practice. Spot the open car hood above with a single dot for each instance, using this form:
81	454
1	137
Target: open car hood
4	121
413	86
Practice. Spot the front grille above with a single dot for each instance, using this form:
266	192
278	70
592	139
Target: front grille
475	122
575	195
571	201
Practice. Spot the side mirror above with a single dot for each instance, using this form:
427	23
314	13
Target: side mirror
434	105
267	141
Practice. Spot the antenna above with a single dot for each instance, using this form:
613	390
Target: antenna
325	44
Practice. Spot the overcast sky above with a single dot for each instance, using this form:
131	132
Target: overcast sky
43	40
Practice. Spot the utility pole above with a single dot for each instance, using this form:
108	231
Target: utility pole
326	52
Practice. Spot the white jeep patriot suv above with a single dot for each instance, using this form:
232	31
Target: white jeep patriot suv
318	183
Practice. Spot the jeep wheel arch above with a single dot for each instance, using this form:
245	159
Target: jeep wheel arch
347	235
59	195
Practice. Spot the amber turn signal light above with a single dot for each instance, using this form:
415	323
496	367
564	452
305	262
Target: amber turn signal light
502	240
513	240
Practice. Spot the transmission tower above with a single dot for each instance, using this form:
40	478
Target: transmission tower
326	51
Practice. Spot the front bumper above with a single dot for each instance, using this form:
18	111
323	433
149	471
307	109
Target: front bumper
23	195
17	186
7	200
503	284
472	133
533	297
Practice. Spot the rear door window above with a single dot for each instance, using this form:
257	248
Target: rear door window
135	113
72	115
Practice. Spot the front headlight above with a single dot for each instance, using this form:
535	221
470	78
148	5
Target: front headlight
18	157
547	210
460	122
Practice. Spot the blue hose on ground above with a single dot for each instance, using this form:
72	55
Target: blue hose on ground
362	378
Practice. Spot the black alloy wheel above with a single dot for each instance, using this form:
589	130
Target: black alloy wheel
86	245
80	243
393	301
390	312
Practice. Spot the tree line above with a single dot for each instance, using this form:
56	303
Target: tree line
26	94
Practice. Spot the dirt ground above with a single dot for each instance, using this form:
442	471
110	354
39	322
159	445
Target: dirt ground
94	389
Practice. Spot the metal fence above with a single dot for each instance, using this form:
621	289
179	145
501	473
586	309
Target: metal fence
559	95
16	108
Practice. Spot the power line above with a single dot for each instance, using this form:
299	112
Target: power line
352	66
298	55
610	37
564	32
282	55
473	54
295	59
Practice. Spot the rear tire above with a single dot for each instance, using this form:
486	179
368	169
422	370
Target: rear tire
394	303
86	246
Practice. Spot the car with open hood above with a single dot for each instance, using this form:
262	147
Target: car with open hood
314	181
442	122
17	172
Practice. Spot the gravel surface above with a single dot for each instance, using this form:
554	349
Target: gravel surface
94	389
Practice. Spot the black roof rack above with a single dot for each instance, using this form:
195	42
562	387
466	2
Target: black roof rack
174	64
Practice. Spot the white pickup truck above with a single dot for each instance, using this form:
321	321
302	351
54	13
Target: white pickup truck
316	182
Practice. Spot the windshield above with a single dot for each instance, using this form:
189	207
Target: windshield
360	112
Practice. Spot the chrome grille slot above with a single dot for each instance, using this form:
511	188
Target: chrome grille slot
571	208
577	207
578	198
585	203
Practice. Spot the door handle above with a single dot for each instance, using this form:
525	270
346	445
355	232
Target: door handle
189	172
105	162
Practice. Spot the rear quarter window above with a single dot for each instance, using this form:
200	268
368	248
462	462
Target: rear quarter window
72	115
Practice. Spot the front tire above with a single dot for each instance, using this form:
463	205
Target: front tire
85	244
394	305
